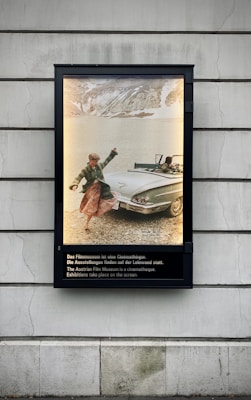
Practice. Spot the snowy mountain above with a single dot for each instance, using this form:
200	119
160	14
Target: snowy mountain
124	97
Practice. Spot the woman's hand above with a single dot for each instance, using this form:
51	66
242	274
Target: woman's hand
115	149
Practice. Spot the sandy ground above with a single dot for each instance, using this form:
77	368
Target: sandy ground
123	227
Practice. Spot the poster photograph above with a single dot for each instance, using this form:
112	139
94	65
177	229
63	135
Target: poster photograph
123	206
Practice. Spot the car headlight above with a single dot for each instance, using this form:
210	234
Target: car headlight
141	199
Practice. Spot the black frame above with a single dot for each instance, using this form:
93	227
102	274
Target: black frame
177	259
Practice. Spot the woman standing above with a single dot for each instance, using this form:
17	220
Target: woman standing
98	197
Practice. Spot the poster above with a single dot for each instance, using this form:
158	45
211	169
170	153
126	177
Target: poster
123	176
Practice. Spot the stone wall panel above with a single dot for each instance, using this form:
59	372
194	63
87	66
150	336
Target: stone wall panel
44	311
211	54
143	15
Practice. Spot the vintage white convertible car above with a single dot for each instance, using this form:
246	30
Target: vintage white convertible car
150	188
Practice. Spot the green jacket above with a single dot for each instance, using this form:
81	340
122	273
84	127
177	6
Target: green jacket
91	175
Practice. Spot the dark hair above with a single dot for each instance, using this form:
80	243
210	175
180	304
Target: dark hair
168	160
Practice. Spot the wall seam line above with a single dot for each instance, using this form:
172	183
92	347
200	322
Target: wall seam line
124	32
195	286
115	339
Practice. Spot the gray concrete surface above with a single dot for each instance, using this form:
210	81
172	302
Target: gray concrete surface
231	397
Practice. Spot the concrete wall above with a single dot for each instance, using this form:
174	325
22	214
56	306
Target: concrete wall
116	342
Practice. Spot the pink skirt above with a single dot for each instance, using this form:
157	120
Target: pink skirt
93	205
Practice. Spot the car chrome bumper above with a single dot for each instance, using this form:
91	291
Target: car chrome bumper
130	206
